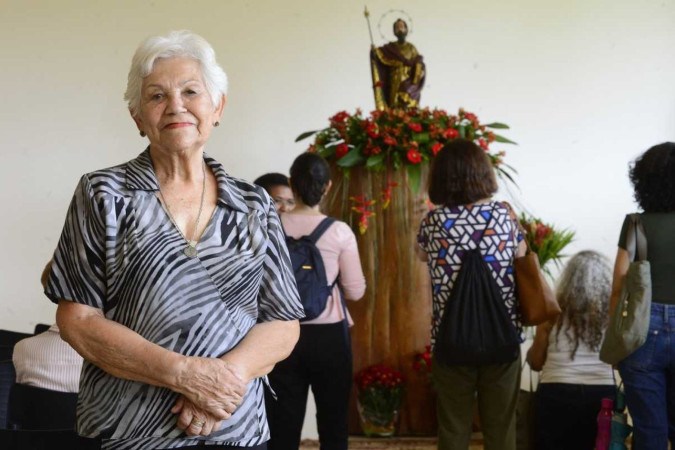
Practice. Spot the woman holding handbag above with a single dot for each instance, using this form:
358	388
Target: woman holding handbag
648	372
573	380
470	230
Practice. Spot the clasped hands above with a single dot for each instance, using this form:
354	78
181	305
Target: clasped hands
211	390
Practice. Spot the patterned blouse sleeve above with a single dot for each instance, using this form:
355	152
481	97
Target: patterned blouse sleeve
78	267
422	237
278	298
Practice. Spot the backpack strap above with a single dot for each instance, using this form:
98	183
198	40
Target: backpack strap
320	229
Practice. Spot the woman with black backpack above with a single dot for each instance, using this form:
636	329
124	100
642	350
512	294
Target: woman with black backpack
469	242
326	278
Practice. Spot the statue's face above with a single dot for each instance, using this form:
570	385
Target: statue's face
400	29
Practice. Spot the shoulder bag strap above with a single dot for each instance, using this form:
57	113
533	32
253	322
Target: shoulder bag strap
514	217
636	240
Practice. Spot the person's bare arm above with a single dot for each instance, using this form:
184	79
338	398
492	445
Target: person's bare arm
265	344
621	264
210	383
536	355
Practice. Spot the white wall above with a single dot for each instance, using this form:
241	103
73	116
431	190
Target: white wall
586	85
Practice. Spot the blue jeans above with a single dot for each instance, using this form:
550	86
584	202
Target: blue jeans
649	379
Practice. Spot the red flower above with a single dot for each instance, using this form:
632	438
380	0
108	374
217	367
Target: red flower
389	140
341	150
436	148
416	127
386	194
371	129
340	117
451	133
483	144
414	156
541	232
422	361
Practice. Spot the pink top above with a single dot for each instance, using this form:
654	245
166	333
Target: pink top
340	256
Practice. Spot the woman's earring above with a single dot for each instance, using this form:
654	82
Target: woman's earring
216	123
142	133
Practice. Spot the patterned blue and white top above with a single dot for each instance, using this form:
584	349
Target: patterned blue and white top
446	233
120	252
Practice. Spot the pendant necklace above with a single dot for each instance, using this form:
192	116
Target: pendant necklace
190	249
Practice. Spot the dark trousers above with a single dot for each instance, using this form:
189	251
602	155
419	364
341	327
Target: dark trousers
494	387
321	359
566	415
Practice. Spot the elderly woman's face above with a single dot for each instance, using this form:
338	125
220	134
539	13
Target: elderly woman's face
176	109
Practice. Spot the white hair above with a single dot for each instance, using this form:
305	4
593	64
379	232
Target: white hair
175	44
583	292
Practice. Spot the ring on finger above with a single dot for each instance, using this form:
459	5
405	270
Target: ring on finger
197	423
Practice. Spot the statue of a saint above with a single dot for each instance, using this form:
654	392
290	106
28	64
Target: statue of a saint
398	72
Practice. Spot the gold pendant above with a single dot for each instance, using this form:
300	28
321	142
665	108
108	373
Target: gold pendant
190	251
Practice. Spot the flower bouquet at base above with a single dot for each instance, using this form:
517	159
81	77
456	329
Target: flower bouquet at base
545	240
379	394
422	361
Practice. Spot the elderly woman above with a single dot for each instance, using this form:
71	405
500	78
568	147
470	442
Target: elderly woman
172	278
573	380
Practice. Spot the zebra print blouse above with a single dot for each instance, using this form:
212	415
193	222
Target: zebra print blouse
120	252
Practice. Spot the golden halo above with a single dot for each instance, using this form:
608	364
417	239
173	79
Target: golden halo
409	21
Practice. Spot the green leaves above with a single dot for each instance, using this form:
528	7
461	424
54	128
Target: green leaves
462	131
421	138
545	240
414	176
503	140
497	126
351	159
375	161
306	134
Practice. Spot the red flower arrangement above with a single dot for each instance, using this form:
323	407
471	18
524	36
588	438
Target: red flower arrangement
422	361
402	138
544	239
379	392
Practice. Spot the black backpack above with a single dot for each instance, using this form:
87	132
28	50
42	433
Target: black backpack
310	273
476	328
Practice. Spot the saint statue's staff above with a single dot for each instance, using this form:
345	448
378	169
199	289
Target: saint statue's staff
366	13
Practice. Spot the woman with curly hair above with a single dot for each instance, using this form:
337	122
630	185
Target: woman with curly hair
573	380
649	372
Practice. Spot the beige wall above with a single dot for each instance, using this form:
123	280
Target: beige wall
585	85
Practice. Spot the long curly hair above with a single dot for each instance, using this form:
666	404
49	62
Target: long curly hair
583	293
653	178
